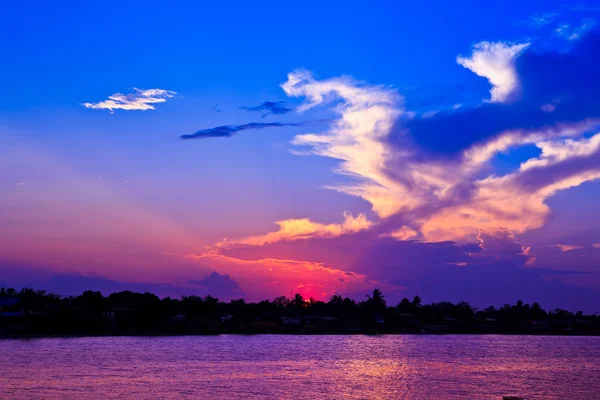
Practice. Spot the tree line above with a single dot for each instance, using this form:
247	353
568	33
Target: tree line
29	312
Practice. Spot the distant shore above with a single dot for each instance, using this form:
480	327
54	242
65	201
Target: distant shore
28	313
140	335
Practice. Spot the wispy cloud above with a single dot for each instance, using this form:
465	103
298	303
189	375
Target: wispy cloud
304	228
367	113
575	31
270	107
230	130
567	247
543	19
496	62
139	99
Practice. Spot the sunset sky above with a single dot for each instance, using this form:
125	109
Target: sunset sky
244	149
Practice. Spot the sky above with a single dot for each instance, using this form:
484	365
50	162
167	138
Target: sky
449	150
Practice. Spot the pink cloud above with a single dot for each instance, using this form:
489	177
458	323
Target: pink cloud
567	247
271	277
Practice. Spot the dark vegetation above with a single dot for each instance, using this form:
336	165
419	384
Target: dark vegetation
28	313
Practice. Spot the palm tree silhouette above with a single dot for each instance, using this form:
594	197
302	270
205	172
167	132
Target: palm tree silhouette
377	298
298	301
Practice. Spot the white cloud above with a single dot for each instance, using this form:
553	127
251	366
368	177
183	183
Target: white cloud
570	32
140	99
441	199
496	62
557	151
562	30
367	113
429	114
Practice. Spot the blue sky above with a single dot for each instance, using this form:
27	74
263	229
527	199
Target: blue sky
61	55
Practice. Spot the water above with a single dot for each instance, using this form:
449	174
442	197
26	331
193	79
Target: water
301	367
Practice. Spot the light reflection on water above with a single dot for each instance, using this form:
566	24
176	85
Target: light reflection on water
301	367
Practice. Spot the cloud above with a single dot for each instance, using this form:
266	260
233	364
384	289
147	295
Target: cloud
557	151
570	32
271	107
73	284
215	284
219	285
496	62
436	173
230	130
495	270
140	99
366	115
303	228
271	277
404	233
543	19
568	247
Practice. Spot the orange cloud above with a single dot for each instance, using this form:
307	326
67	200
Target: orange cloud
404	233
567	247
303	228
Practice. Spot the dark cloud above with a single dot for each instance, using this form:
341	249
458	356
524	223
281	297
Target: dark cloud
73	284
270	107
219	285
230	130
568	81
68	284
492	272
355	251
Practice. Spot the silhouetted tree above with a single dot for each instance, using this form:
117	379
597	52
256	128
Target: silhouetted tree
336	299
282	302
129	312
416	302
377	298
297	302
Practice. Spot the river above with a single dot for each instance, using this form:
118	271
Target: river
301	367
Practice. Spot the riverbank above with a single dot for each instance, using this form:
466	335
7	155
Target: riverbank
29	313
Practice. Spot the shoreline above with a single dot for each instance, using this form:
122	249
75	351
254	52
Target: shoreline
152	335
